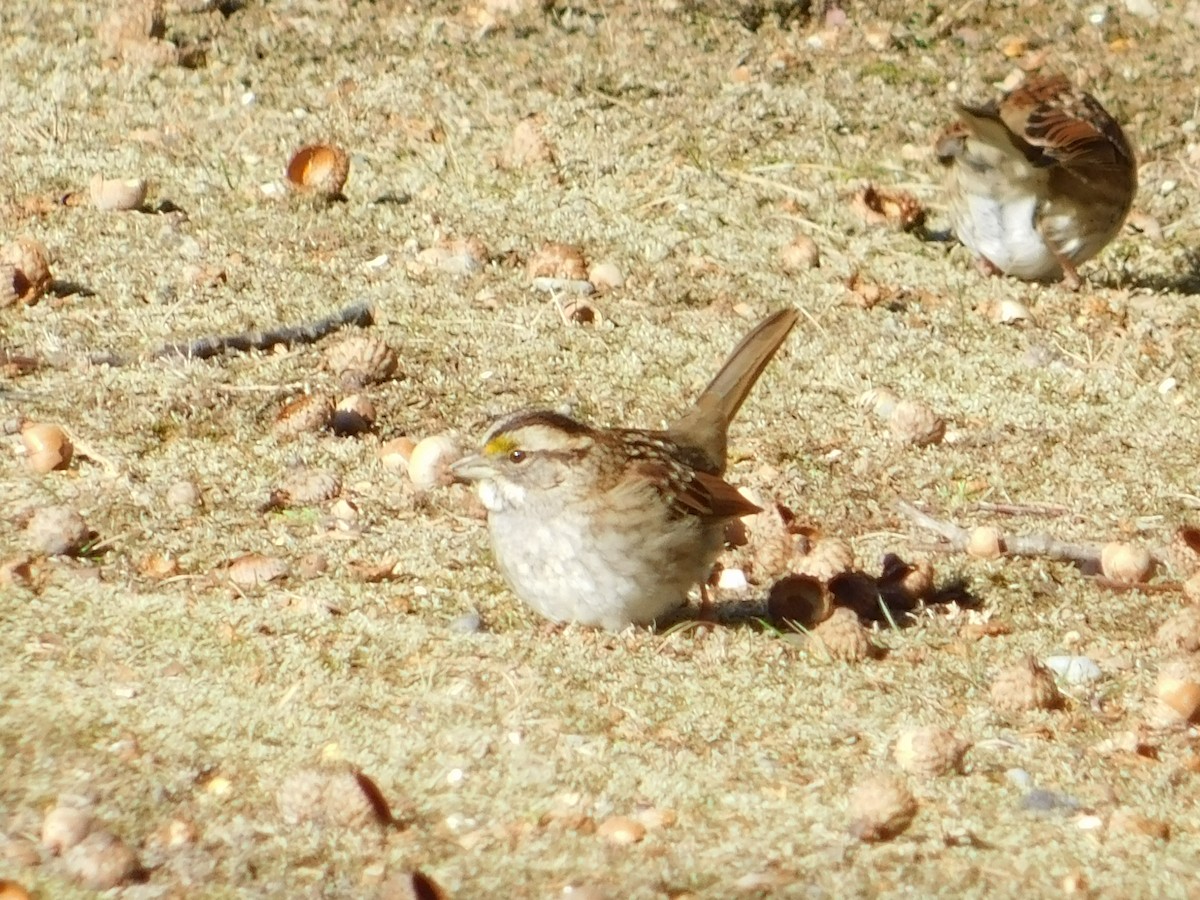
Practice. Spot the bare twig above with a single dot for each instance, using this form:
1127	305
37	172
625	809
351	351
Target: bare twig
360	314
1022	509
1041	546
355	314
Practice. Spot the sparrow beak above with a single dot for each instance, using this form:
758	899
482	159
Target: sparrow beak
470	469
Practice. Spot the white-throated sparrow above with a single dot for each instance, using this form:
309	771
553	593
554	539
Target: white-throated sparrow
1039	181
613	526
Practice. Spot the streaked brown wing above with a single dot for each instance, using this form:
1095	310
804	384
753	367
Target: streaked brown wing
724	500
1067	125
695	493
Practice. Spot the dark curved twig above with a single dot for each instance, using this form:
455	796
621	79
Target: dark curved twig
359	314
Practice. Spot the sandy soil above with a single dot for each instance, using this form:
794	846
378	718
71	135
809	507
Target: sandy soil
212	726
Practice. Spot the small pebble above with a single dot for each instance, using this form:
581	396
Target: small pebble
430	460
881	808
606	276
1019	778
621	830
1073	669
102	861
184	496
563	286
64	827
254	569
469	623
57	531
800	254
1039	800
1026	685
732	580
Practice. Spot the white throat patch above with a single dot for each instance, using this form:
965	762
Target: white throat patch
498	496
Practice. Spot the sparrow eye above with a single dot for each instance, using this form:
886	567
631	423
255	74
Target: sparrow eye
517	456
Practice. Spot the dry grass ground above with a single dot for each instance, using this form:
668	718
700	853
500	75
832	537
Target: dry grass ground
688	149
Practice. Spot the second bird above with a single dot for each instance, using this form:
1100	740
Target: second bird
1039	181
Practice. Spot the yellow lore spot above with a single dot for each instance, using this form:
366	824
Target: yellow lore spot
500	445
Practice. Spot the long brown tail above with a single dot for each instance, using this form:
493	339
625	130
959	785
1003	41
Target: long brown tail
706	425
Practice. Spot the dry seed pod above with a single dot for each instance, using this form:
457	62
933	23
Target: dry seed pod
1010	312
655	817
1178	687
301	797
151	53
881	808
827	559
843	636
117	193
138	19
800	254
1181	631
801	599
344	510
394	454
985	542
430	461
1025	686
16	571
528	146
102	861
579	311
319	169
1191	588
305	487
171	835
310	412
919	582
557	260
912	422
57	531
880	401
253	569
343	798
353	415
20	851
11	285
130	23
346	803
621	830
47	447
414	885
65	826
1127	563
1183	552
772	546
312	565
605	276
929	751
456	256
184	496
857	592
1127	822
880	206
25	267
159	566
911	580
360	360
